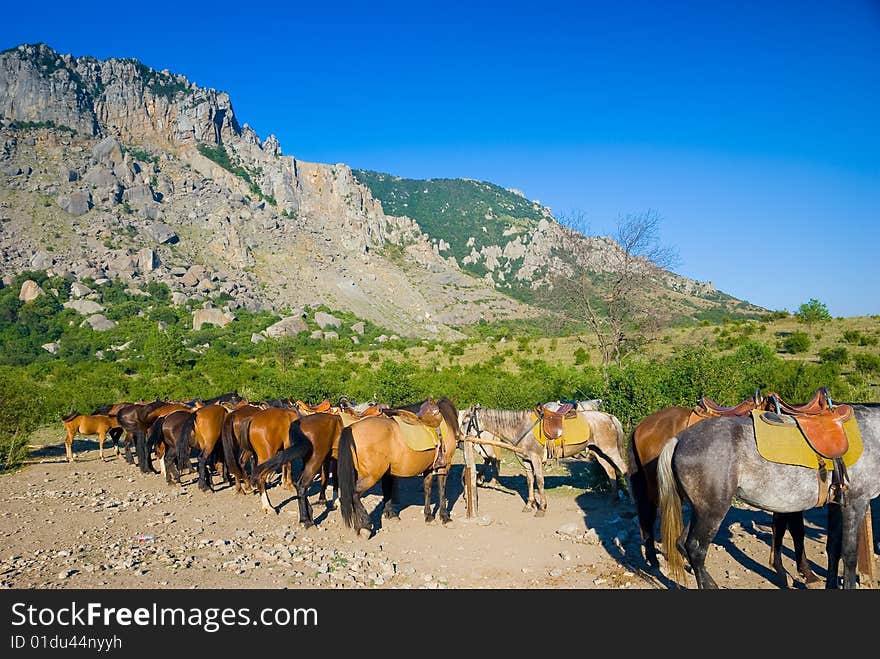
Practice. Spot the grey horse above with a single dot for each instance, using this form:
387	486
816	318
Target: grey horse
714	460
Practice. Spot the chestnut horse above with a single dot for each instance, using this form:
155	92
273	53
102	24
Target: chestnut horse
236	453
314	438
205	437
267	432
88	424
374	449
646	441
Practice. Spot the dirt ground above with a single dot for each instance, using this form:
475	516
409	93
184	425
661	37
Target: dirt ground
100	525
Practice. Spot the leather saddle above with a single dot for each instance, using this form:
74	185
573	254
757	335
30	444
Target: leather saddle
323	406
552	420
821	424
819	421
708	408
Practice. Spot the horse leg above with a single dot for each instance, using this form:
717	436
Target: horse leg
796	530
541	499
286	477
312	463
68	445
530	485
204	477
101	436
127	445
429	478
703	527
646	507
441	492
268	508
779	524
389	485
852	515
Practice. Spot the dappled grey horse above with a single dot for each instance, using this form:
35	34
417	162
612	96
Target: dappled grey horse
714	460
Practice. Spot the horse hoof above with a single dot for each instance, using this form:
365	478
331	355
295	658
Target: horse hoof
527	509
429	519
364	533
540	512
446	520
308	525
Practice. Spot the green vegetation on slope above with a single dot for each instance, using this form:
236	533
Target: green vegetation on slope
455	210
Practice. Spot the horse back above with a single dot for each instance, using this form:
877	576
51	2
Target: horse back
651	433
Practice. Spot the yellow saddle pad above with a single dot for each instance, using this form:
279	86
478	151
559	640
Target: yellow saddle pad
574	431
787	444
418	437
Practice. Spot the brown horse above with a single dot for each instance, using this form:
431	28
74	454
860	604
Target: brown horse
88	424
315	439
236	453
137	418
205	437
646	441
167	434
267	432
376	448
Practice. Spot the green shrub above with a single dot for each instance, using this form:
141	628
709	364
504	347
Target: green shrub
867	363
839	355
796	342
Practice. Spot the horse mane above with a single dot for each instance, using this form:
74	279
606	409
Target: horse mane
103	409
507	422
71	416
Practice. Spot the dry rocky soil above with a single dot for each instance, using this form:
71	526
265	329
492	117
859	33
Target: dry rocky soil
96	524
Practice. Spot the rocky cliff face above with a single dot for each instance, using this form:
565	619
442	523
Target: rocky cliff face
111	169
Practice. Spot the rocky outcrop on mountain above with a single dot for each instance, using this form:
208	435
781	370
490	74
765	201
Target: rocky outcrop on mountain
112	158
110	169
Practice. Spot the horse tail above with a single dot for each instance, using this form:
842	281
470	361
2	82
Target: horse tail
155	435
300	445
670	512
183	442
230	449
347	476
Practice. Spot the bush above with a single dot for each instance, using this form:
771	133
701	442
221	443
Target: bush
581	356
838	355
867	363
813	312
796	342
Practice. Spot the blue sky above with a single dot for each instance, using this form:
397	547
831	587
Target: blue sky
751	128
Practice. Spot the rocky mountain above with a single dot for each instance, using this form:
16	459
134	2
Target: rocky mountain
111	169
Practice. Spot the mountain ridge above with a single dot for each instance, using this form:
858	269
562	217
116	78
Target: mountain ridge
129	154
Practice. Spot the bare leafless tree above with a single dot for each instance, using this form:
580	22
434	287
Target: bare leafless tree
616	305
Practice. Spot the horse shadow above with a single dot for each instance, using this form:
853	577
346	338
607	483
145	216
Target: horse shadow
52	453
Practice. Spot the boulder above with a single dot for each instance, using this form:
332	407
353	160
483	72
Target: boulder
178	298
98	322
194	275
317	334
41	260
51	348
76	203
358	327
85	307
381	338
325	320
162	233
30	290
79	290
212	317
257	338
290	326
107	150
146	260
330	335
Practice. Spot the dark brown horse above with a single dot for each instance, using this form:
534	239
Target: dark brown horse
378	448
136	420
267	432
315	439
646	441
168	434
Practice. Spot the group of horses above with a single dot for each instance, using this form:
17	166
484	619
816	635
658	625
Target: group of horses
702	457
